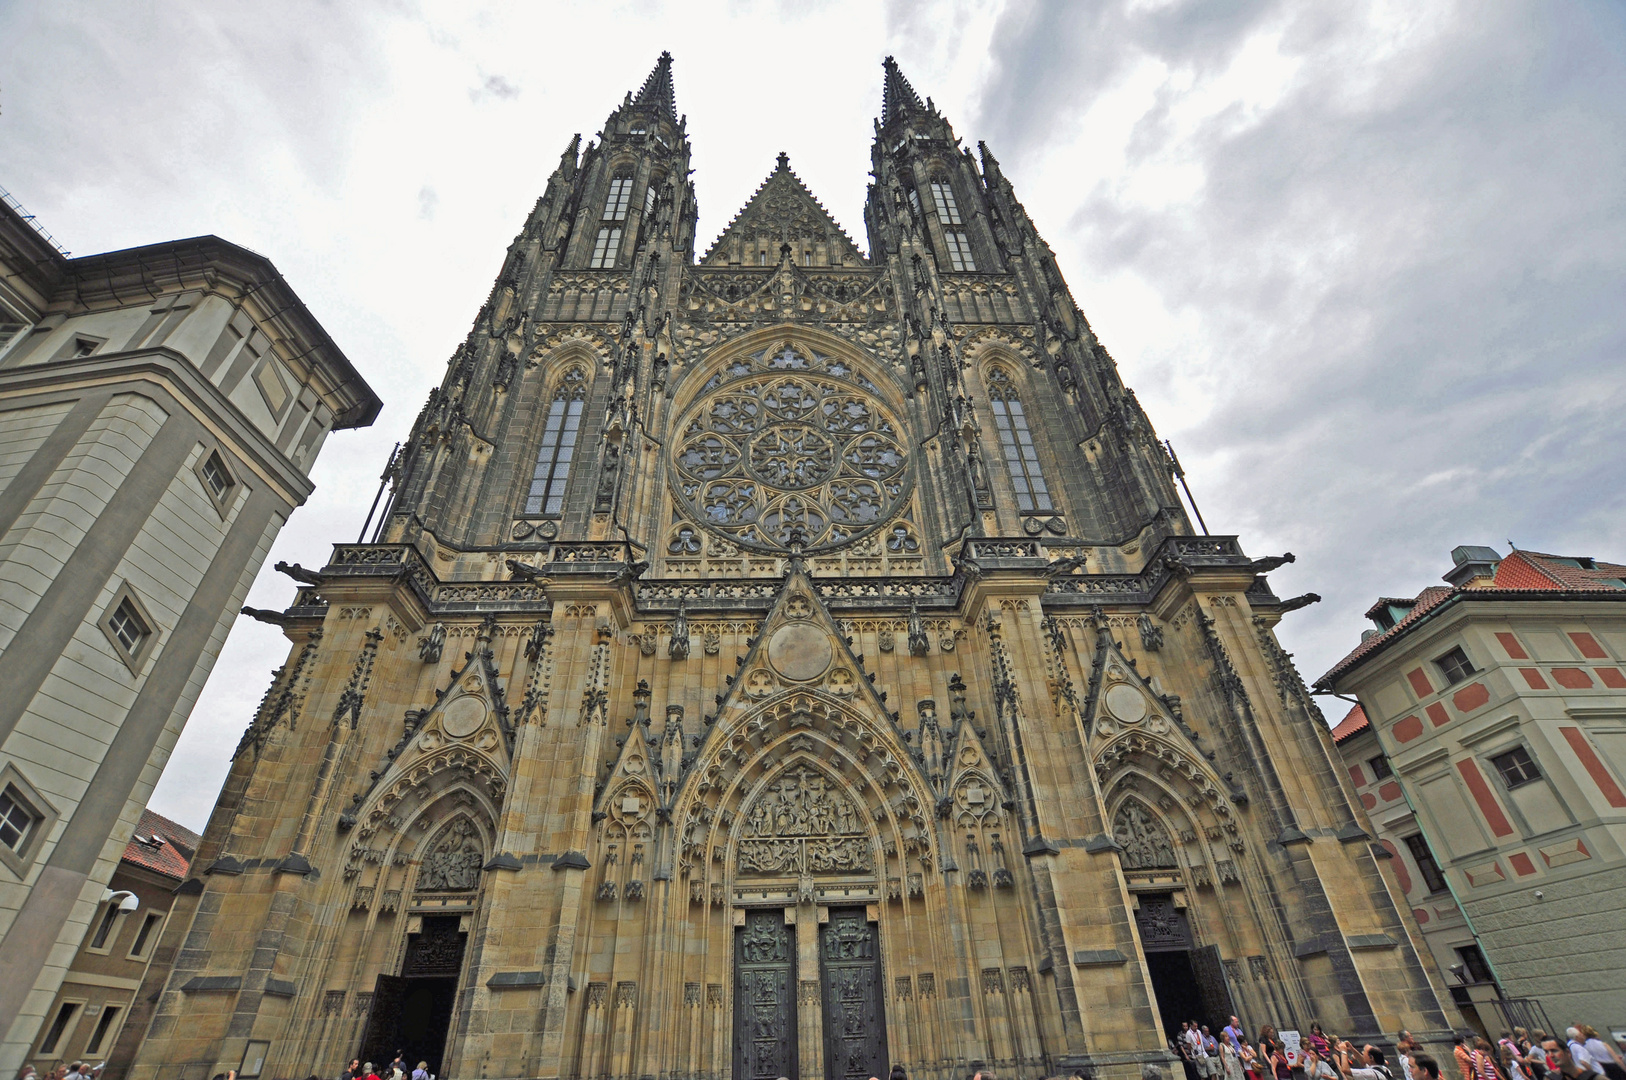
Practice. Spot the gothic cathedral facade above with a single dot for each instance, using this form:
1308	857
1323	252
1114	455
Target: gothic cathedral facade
791	661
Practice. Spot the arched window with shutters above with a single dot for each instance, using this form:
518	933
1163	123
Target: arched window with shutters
1016	443
546	497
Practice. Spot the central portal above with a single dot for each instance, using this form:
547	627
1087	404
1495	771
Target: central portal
854	1007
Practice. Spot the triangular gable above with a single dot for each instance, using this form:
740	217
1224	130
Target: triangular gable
782	210
800	647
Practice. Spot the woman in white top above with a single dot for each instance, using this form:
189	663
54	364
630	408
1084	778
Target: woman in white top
1230	1061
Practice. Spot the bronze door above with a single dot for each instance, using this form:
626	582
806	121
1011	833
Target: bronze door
764	997
854	1009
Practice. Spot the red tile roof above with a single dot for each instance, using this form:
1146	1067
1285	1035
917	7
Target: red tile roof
1353	723
170	857
1521	571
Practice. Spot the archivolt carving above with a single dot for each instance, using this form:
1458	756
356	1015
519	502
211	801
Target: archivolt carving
1166	761
796	783
433	774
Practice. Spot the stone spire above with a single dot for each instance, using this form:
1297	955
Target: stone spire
898	98
657	88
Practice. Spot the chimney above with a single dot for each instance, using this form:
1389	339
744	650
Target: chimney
1475	567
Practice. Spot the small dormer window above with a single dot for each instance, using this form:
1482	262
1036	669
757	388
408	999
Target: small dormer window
129	629
84	347
638	129
217	479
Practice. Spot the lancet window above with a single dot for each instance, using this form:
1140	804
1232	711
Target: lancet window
615	203
558	449
1016	443
948	211
605	248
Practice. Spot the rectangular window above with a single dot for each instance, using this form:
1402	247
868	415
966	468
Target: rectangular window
615	204
1021	457
807	258
914	201
1454	666
105	927
1516	767
59	1026
649	198
128	628
554	457
948	212
1473	964
17	819
606	248
215	475
1426	866
83	347
144	936
110	1013
1380	767
959	249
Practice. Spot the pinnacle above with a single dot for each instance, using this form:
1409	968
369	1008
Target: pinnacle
657	89
898	98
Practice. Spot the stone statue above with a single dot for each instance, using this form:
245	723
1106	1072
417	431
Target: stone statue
454	863
1144	840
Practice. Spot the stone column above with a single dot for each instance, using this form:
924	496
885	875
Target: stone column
809	1002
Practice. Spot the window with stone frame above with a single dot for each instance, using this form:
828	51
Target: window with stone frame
1423	856
1516	767
557	451
948	211
18	819
605	248
1380	767
959	249
1016	444
615	201
1455	666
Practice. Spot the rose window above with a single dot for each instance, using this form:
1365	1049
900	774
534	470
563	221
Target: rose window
790	445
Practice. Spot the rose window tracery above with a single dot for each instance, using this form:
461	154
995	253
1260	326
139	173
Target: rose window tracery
790	445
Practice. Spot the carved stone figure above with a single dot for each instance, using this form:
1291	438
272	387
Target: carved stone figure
1145	842
454	862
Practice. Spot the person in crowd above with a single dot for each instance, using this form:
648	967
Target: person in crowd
1250	1061
1425	1067
353	1071
1604	1057
1230	1061
1462	1050
1317	1041
1211	1047
1199	1051
1233	1034
1512	1064
1366	1064
398	1066
1484	1061
367	1072
1566	1064
421	1072
1316	1065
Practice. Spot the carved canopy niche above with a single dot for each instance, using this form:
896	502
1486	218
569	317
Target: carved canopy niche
1144	840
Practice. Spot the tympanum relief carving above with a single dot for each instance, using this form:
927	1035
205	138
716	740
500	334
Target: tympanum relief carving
802	824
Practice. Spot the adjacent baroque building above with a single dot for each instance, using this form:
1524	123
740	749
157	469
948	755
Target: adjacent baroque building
782	660
161	408
1498	701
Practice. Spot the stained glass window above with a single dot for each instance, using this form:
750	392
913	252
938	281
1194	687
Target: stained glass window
1016	443
553	457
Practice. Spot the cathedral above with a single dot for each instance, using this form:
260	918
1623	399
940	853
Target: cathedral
775	659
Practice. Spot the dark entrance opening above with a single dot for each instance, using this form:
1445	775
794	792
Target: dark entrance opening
764	997
854	1006
412	1012
1188	983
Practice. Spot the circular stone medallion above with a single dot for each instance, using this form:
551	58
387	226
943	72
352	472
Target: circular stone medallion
799	652
1126	703
463	717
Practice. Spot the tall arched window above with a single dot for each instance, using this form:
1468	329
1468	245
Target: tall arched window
1016	442
553	457
948	213
615	204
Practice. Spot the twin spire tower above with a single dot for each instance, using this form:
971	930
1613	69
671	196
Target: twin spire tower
781	660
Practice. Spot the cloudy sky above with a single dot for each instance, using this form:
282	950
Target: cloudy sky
1364	263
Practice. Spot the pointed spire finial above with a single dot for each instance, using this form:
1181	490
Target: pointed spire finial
784	160
898	98
657	89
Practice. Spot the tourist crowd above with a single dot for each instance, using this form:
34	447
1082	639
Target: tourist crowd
1517	1055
